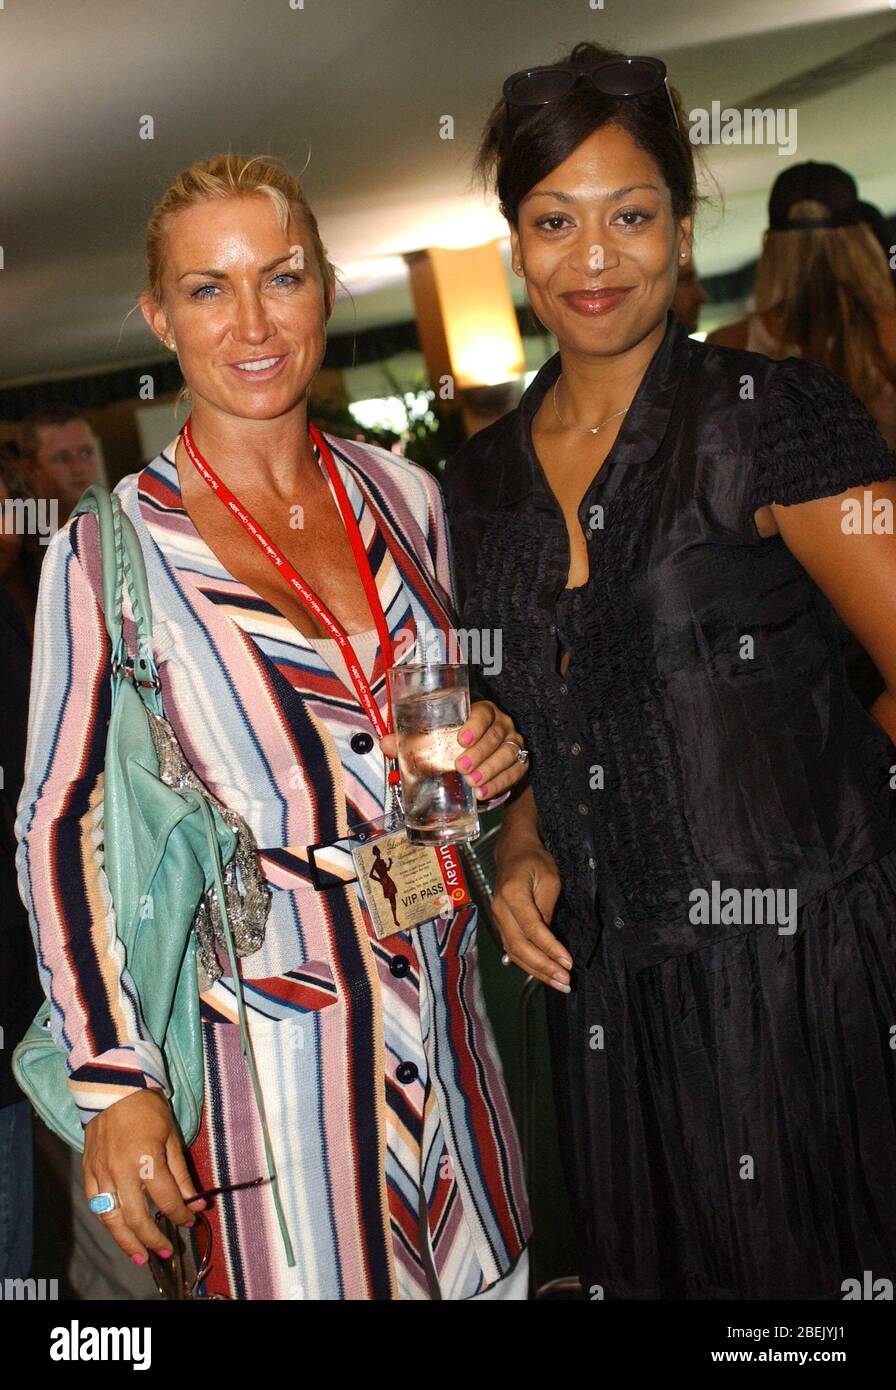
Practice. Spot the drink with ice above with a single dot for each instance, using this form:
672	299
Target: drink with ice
430	705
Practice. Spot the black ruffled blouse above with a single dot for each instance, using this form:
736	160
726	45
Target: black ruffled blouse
705	731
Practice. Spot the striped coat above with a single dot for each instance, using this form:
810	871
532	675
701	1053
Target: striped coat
382	1085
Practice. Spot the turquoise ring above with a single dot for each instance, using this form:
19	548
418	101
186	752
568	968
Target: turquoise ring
103	1203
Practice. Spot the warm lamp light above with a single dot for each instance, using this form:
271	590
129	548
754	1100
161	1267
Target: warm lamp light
478	317
485	360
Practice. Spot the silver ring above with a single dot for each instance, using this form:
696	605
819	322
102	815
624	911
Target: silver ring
505	959
522	754
103	1202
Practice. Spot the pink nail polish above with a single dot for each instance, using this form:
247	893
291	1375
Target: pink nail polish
467	737
483	792
165	1254
139	1259
465	763
477	776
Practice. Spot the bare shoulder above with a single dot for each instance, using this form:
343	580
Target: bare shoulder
730	335
886	332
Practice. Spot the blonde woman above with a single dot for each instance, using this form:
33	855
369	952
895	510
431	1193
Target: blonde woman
398	1166
824	289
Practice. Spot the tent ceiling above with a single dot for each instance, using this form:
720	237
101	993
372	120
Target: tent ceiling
356	88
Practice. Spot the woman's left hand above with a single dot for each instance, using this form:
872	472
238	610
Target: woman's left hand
488	759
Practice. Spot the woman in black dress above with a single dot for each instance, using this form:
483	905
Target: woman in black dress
704	865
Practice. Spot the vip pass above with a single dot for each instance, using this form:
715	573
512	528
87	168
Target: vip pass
404	885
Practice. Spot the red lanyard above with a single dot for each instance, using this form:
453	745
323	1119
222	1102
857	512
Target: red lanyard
308	596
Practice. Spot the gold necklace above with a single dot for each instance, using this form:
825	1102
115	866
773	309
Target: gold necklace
581	429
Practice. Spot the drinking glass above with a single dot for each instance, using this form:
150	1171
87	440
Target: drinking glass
430	704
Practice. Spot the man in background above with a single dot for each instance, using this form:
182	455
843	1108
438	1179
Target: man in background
58	455
20	991
58	460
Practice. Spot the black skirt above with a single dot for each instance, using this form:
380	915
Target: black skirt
728	1117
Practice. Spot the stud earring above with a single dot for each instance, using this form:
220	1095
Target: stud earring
171	346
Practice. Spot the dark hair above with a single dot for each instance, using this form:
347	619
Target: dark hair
44	415
517	154
32	552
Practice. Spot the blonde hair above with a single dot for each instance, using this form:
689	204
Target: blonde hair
232	176
829	284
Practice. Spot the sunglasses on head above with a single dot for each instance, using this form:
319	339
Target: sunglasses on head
615	77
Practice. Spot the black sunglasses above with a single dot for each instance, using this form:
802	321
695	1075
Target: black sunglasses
174	1280
181	1276
616	77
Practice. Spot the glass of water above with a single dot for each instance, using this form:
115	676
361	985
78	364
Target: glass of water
430	704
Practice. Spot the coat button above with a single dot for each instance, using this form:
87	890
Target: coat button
618	922
576	749
583	809
406	1072
564	689
400	966
361	743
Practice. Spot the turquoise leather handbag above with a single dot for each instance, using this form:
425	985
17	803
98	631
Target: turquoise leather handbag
166	849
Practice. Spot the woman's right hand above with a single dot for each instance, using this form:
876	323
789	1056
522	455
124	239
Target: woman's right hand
133	1147
526	893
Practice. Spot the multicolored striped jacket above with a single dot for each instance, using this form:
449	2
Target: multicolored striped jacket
391	1129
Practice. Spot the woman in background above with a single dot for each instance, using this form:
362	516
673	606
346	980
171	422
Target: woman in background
824	289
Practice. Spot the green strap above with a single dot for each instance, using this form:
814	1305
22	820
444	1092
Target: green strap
122	563
241	1011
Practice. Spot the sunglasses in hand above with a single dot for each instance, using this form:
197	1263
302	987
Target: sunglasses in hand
188	1246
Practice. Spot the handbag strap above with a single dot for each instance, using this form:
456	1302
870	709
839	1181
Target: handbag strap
122	563
246	1045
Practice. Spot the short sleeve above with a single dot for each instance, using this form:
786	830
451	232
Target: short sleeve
815	438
